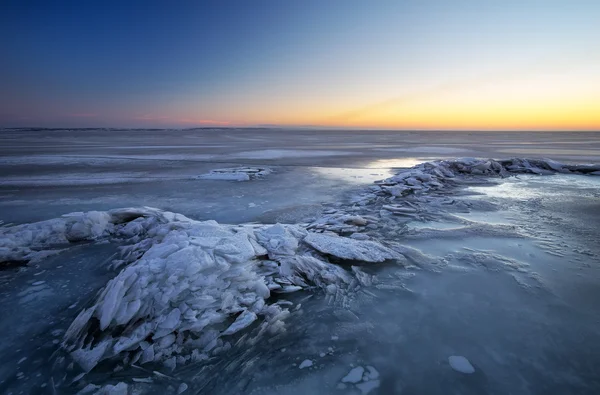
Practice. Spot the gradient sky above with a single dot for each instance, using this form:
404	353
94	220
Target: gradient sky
438	64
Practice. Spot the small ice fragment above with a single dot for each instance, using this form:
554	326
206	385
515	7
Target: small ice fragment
461	364
307	363
368	386
73	306
334	338
22	360
322	354
341	386
354	376
182	388
251	204
38	283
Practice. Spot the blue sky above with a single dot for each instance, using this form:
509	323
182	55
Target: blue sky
332	63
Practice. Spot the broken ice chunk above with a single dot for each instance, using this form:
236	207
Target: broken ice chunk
243	321
346	248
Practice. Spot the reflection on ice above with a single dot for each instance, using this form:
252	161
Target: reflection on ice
399	163
353	175
373	171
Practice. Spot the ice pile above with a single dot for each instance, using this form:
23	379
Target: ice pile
31	242
187	286
438	174
236	174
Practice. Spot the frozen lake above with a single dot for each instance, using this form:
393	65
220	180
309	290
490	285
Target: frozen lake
501	269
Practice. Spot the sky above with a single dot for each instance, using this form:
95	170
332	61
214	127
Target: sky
417	65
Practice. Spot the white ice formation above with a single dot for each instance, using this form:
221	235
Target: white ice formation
438	174
236	174
187	286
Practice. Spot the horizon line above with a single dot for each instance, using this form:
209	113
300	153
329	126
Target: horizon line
301	127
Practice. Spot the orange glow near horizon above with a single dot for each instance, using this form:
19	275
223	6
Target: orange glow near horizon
553	102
